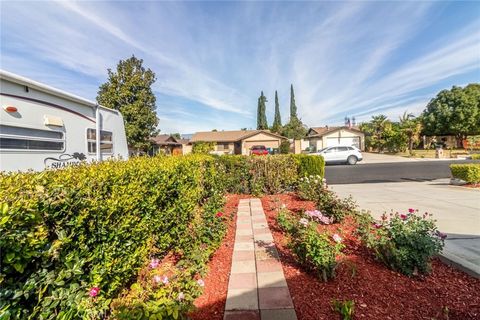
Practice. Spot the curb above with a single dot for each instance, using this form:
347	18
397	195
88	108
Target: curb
459	263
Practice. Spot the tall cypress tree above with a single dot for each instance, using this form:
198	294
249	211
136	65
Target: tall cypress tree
261	115
277	122
293	106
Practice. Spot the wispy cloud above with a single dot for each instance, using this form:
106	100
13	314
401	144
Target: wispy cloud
212	59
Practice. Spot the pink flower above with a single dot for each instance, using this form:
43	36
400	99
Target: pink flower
181	296
94	292
441	235
411	210
165	280
337	238
377	225
157	279
201	283
403	216
154	263
219	214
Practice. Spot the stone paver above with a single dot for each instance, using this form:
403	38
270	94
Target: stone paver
257	288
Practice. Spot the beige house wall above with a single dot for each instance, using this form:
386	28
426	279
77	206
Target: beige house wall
220	148
260	139
186	149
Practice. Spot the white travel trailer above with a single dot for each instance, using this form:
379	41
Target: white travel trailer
43	127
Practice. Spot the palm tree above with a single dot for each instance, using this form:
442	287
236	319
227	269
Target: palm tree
412	128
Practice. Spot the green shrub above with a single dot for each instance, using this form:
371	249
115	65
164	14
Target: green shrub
313	188
405	242
468	172
285	147
346	308
475	156
316	251
69	230
201	147
259	175
310	165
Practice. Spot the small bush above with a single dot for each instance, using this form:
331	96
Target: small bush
310	165
346	308
405	242
285	147
475	156
203	147
315	189
317	252
468	172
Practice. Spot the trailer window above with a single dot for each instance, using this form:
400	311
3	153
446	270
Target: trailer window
106	141
20	138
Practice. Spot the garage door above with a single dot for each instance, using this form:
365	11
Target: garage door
351	141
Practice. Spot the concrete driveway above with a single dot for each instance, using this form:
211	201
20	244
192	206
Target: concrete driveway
457	209
369	157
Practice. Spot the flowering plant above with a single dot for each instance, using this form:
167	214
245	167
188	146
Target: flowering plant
405	242
318	216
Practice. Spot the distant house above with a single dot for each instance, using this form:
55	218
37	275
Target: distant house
240	141
322	137
170	145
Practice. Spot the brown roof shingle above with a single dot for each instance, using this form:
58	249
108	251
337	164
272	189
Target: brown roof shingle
228	136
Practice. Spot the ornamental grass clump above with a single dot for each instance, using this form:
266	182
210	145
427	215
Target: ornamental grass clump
404	242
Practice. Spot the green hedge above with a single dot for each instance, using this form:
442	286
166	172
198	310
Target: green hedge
268	174
65	231
68	230
468	172
475	156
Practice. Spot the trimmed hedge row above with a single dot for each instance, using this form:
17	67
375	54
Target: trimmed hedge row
65	231
268	174
468	172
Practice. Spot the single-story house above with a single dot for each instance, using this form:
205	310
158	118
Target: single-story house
322	137
169	145
239	141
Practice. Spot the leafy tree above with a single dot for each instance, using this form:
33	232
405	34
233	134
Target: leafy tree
277	122
454	112
284	147
128	89
261	115
293	106
412	129
381	134
176	135
203	147
294	129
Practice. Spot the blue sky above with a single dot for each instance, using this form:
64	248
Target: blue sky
212	59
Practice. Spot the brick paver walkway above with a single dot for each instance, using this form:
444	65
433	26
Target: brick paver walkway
257	288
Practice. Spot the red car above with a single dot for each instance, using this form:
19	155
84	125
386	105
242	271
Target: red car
258	151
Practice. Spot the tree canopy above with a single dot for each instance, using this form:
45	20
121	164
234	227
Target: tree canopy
128	89
454	112
262	123
277	121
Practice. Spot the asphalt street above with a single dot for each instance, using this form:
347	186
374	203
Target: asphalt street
390	172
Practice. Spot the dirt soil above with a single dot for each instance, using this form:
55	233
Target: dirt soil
378	292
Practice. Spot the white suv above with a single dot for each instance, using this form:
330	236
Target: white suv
340	154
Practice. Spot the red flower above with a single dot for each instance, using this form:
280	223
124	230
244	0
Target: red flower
219	214
411	210
403	216
94	292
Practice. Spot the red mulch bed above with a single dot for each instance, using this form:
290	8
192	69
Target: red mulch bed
211	304
378	292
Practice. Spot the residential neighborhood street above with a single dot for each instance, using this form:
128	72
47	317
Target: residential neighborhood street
409	170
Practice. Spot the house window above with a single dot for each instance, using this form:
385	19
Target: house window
21	138
106	141
223	146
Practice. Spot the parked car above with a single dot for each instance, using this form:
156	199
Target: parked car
340	154
258	150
